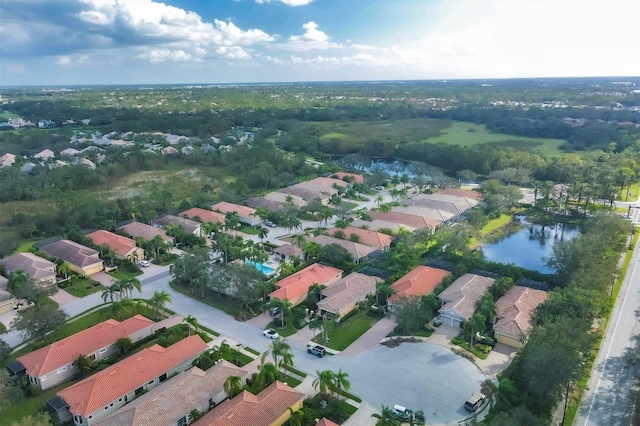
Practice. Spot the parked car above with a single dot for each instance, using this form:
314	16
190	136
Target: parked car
316	350
379	188
474	402
269	224
271	333
403	412
144	263
275	311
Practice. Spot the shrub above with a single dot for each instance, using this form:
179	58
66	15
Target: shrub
483	348
300	324
243	315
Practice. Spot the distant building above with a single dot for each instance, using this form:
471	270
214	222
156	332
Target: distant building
46	124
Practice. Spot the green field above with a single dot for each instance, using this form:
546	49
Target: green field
459	134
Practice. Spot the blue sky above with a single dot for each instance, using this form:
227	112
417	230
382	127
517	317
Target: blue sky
64	42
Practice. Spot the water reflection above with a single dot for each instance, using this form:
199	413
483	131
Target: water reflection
530	244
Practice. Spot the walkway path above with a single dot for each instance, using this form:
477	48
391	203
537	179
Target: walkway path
371	338
63	298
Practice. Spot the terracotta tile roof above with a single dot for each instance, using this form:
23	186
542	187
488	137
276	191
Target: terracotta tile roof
326	422
351	288
86	342
281	197
462	296
368	237
106	386
288	250
405	219
188	225
357	250
427	212
356	177
166	404
515	309
420	281
242	211
298	284
37	267
254	410
72	252
204	215
121	245
308	192
474	195
447	206
142	230
328	182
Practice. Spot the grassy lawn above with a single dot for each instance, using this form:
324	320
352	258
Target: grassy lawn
503	220
84	288
246	229
348	205
124	275
251	350
25	246
459	134
3	329
224	304
288	329
632	195
465	346
32	405
348	331
242	359
291	381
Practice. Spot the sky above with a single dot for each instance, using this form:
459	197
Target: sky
69	42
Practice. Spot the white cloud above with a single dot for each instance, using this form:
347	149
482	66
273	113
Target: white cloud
156	56
293	3
67	60
312	39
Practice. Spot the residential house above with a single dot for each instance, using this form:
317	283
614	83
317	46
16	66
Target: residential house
173	402
446	206
87	163
329	182
288	252
82	259
268	408
7	160
310	190
295	287
429	213
146	232
378	225
46	124
345	295
208	149
514	312
460	298
125	248
357	251
70	152
56	363
204	215
28	168
257	202
471	195
246	214
8	303
41	270
354	177
420	281
412	220
462	203
365	236
44	155
189	226
108	390
282	198
186	150
326	422
169	150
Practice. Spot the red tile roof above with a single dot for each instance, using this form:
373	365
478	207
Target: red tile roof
515	309
204	215
121	245
474	195
405	219
106	386
298	284
86	342
247	409
242	211
326	422
420	281
144	231
328	182
367	236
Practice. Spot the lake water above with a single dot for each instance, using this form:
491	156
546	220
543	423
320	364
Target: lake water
529	246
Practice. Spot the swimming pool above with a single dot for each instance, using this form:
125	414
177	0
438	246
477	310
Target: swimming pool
261	267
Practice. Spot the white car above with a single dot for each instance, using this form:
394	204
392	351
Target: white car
144	263
271	333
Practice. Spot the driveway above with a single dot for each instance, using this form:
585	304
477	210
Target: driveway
371	338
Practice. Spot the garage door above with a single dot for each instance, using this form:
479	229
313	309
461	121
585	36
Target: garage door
510	341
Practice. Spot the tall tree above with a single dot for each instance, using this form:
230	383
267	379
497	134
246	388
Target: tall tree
159	300
36	324
324	382
386	417
191	322
233	386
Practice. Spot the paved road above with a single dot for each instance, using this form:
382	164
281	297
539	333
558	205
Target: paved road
607	401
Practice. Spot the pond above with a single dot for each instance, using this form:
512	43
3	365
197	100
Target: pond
529	245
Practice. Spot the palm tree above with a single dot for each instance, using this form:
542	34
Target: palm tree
84	364
315	324
341	382
285	308
122	307
383	290
64	269
278	349
262	234
124	345
205	360
296	418
324	382
386	417
299	240
73	280
268	374
418	419
192	322
233	386
487	308
475	324
264	287
159	300
110	293
379	200
17	278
